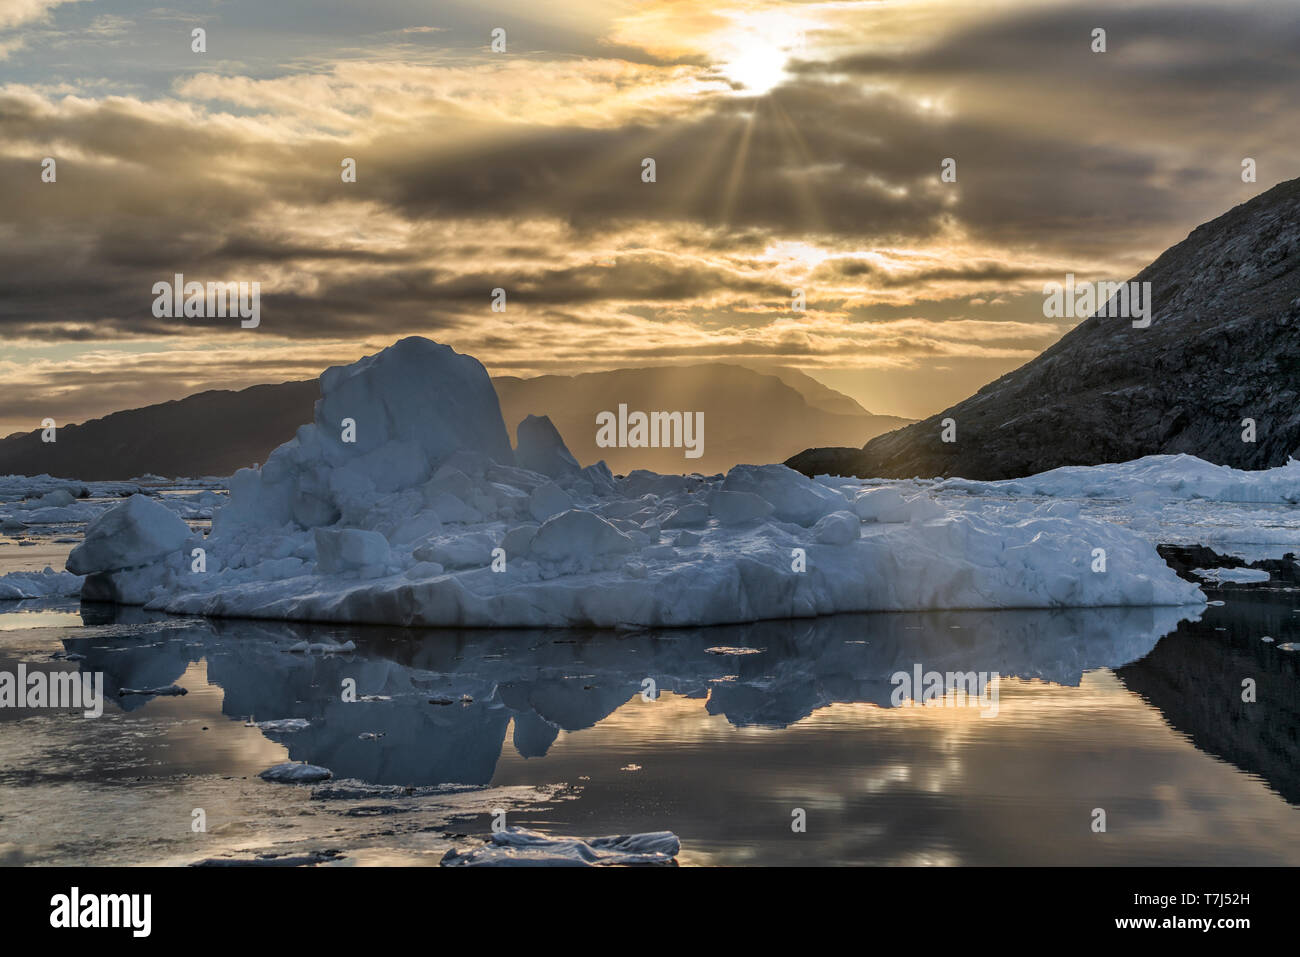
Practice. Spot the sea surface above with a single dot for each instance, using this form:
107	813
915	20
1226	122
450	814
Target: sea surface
1101	736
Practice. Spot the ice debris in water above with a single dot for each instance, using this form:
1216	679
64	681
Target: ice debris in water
293	773
168	691
43	584
519	847
404	503
284	725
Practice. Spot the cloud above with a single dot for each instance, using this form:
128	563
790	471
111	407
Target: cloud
523	171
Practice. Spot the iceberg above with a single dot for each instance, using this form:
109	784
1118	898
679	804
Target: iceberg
403	503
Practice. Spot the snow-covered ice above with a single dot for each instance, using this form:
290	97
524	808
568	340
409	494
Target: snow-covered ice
403	503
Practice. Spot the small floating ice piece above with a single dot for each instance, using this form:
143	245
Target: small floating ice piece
322	647
169	691
284	725
293	773
1289	646
272	860
519	847
1238	576
729	650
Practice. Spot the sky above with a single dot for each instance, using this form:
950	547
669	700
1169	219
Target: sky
797	145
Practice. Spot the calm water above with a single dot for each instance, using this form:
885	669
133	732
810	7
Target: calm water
1138	712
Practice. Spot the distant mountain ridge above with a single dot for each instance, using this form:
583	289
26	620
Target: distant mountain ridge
749	416
1223	347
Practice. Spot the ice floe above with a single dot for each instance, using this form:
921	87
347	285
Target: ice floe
520	847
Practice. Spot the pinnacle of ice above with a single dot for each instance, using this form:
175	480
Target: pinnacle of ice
541	449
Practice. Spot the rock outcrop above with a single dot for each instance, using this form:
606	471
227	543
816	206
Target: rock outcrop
1223	346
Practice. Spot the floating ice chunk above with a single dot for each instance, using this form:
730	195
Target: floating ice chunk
58	498
284	725
1236	575
136	532
519	847
293	773
322	647
578	534
348	549
838	528
541	449
168	691
794	497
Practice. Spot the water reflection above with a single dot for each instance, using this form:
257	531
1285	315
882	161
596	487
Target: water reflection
1195	677
540	683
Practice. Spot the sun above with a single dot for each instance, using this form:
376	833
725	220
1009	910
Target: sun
758	65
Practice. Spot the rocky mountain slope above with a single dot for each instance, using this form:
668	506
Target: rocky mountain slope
1223	346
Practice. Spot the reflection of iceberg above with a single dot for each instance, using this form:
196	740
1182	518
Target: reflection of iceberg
552	681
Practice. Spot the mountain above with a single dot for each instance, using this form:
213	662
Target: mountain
1223	346
749	416
208	433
